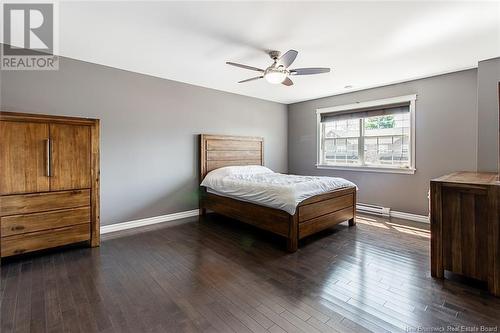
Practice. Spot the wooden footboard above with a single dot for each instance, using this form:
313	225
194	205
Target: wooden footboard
312	215
321	212
326	210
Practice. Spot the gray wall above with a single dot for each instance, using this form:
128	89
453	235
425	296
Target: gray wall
446	132
148	127
488	76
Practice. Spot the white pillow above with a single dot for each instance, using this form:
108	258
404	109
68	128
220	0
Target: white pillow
220	173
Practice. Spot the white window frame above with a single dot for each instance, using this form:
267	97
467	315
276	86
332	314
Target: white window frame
356	106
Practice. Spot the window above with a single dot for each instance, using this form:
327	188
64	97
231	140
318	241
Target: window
373	136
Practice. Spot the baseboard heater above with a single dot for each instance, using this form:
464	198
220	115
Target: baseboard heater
373	209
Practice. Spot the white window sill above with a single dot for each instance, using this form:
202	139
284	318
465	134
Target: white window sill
368	169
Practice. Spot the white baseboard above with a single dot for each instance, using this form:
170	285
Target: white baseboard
387	212
373	209
411	217
148	221
195	212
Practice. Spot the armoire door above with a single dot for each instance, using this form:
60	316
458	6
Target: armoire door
70	157
23	157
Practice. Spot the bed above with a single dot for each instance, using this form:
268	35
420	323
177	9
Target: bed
310	216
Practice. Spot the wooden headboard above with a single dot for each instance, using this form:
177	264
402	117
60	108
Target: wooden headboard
217	151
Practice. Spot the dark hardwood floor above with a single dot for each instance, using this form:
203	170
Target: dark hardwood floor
223	276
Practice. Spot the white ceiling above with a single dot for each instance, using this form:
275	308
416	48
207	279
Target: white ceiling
366	43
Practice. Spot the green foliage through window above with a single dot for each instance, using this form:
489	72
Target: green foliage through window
380	122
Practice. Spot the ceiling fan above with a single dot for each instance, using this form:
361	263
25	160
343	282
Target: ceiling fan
278	72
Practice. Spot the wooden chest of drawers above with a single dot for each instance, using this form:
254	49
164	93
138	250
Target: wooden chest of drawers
49	182
465	233
35	221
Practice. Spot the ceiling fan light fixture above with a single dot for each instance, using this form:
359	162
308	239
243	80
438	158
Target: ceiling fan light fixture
275	75
279	71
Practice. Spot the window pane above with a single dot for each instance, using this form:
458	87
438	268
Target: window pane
341	142
387	140
371	150
342	128
341	151
397	124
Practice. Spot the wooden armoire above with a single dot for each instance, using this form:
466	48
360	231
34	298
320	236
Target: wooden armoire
49	182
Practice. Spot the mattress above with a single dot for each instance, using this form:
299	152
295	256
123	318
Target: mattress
270	189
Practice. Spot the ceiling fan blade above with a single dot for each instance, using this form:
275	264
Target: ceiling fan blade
287	82
309	71
287	58
251	79
245	66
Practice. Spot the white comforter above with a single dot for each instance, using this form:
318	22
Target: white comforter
271	189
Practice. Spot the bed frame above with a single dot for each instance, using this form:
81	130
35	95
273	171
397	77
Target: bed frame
312	215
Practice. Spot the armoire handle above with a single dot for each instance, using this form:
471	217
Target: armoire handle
48	157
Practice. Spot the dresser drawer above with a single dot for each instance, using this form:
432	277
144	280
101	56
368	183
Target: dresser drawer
20	224
41	202
39	240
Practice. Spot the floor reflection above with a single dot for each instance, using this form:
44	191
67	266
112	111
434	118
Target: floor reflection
421	230
220	275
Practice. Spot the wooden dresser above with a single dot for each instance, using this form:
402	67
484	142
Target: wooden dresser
465	233
49	182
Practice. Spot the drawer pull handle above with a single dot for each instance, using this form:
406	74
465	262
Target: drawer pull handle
17	227
48	157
